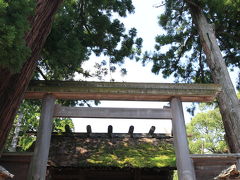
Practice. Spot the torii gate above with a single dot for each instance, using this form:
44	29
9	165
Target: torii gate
49	91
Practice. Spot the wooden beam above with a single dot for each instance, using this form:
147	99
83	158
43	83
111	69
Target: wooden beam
38	165
184	163
208	166
207	158
89	130
120	113
238	164
123	91
116	135
130	131
123	135
212	156
110	131
151	131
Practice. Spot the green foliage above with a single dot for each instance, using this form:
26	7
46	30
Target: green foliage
29	124
178	50
14	24
141	154
225	15
30	121
60	124
82	28
207	133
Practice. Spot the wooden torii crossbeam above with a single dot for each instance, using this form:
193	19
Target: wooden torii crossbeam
115	113
122	91
77	90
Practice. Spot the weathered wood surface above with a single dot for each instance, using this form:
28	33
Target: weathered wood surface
19	165
110	131
131	130
38	166
238	163
108	173
89	130
90	134
184	163
151	131
208	166
5	174
125	135
123	91
120	113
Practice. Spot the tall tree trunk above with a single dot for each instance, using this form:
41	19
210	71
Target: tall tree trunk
13	86
227	99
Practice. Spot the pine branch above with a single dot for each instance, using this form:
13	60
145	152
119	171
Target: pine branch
183	48
159	5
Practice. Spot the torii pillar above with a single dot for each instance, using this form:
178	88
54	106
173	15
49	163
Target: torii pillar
184	162
38	166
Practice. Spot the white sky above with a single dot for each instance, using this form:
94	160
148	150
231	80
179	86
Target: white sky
145	21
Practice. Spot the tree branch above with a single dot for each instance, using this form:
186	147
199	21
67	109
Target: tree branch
183	48
42	74
159	5
190	2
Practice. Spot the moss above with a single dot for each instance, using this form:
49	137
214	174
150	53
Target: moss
114	152
144	154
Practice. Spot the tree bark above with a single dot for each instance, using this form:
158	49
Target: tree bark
13	86
227	99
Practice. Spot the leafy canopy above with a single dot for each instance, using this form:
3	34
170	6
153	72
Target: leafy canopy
184	57
206	130
80	29
207	133
14	24
28	125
